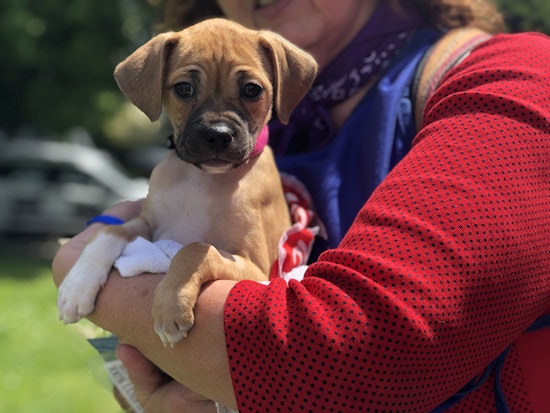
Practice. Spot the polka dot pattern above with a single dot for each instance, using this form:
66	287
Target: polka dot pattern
445	266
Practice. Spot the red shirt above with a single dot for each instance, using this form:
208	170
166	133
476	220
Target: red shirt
445	266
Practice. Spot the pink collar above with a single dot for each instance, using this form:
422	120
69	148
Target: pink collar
261	141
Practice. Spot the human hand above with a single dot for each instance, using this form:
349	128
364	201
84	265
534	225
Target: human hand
155	391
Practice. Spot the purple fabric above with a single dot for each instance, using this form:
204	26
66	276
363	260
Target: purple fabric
310	126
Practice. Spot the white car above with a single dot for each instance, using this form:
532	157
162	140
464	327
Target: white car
53	188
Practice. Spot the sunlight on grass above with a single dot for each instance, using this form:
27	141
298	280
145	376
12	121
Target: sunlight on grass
46	366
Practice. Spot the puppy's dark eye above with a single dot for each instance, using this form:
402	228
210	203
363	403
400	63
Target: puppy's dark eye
251	91
184	90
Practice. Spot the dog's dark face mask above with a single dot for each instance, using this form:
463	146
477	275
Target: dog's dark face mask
214	136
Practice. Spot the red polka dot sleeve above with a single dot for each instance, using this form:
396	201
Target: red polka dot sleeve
445	266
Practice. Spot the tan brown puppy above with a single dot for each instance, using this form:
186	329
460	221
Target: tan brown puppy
217	193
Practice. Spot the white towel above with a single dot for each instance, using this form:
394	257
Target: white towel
143	256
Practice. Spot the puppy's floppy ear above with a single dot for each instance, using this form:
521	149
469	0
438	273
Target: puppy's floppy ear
141	75
294	71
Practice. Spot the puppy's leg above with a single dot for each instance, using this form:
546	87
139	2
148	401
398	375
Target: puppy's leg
78	291
192	267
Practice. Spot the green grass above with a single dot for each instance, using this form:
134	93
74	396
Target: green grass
45	366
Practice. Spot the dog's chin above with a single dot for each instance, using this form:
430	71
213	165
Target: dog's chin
217	166
213	163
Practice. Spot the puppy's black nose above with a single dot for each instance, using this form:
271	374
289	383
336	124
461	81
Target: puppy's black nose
218	136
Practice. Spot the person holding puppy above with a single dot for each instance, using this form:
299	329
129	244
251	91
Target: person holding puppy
425	145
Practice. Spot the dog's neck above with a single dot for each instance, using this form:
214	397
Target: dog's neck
261	141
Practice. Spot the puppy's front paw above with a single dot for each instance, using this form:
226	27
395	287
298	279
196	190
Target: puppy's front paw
78	291
173	315
75	300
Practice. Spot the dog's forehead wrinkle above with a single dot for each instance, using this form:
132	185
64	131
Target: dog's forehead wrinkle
225	45
178	73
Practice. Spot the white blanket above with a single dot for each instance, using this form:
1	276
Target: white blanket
142	256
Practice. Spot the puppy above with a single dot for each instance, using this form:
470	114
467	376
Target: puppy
218	192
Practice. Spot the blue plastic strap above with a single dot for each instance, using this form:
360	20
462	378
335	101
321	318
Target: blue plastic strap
105	219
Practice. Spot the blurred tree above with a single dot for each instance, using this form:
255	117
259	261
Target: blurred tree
526	15
57	59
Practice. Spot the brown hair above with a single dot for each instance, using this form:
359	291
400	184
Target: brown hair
443	14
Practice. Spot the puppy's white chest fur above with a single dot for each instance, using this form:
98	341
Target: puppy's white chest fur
198	200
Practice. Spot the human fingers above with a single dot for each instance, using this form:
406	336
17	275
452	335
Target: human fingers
146	377
157	392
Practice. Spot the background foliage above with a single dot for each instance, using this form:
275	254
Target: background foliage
57	59
526	15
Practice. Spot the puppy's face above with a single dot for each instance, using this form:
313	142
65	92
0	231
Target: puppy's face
218	95
218	83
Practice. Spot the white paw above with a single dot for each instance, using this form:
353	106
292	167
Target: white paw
73	304
77	294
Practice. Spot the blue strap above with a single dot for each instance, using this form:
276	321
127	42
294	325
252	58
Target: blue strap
105	219
495	366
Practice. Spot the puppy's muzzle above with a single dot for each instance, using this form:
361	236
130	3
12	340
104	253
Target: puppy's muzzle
215	146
